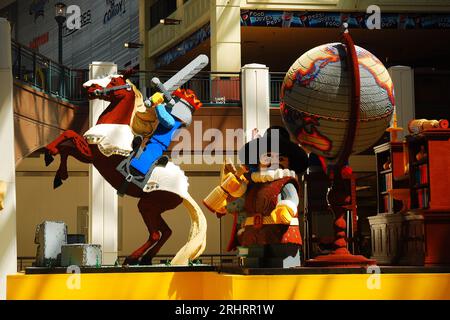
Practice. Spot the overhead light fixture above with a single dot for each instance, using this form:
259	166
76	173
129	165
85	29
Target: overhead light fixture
60	9
133	45
168	21
60	17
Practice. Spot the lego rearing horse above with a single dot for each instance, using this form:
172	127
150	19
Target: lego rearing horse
108	143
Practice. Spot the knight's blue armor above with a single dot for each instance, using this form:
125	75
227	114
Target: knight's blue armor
159	142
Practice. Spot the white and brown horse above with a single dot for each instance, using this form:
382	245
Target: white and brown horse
106	144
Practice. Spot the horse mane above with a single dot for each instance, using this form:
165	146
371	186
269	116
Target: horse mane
138	100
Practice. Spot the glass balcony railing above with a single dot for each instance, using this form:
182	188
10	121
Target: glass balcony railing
213	88
46	75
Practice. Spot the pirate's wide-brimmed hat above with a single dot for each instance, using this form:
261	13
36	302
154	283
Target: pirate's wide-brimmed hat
275	139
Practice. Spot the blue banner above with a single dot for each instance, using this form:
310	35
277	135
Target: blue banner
303	19
183	47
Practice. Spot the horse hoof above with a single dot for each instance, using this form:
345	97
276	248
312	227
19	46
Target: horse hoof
48	158
130	262
57	182
146	261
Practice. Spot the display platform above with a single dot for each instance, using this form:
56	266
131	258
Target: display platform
122	269
393	283
325	270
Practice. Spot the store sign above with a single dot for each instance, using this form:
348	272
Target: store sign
38	41
84	20
115	8
364	20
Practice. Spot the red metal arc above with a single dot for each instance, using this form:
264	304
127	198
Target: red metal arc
340	191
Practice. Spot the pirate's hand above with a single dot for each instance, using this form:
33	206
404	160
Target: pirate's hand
282	214
233	186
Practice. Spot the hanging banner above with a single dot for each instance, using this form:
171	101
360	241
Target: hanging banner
183	47
302	19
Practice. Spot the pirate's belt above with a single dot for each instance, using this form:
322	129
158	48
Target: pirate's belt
259	220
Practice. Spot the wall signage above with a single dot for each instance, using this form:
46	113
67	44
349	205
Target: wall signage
116	8
302	19
85	19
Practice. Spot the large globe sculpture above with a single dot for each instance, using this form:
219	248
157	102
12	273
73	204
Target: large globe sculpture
316	100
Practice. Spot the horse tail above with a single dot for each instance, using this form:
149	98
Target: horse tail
197	235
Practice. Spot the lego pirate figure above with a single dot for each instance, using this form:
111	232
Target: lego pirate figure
155	129
270	233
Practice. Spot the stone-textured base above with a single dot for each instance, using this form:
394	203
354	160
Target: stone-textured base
82	255
50	236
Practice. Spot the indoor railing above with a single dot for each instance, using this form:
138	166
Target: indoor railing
42	73
47	75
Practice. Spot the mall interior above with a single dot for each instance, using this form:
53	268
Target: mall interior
163	36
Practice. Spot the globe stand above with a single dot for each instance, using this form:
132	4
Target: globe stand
340	257
339	192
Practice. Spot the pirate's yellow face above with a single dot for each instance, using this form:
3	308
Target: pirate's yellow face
273	160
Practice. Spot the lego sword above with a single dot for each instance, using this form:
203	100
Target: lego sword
180	78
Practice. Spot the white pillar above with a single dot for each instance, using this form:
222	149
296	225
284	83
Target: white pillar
103	201
8	232
403	79
255	98
225	35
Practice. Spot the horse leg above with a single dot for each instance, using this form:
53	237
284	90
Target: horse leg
151	207
61	173
78	141
150	211
166	232
65	151
133	258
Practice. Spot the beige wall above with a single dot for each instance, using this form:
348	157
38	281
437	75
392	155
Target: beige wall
40	118
196	13
193	15
37	201
347	5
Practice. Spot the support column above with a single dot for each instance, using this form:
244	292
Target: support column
144	63
8	232
403	79
103	201
255	98
226	35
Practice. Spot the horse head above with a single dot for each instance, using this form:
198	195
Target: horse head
121	94
110	88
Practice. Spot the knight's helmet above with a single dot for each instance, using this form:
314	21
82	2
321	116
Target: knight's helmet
186	104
